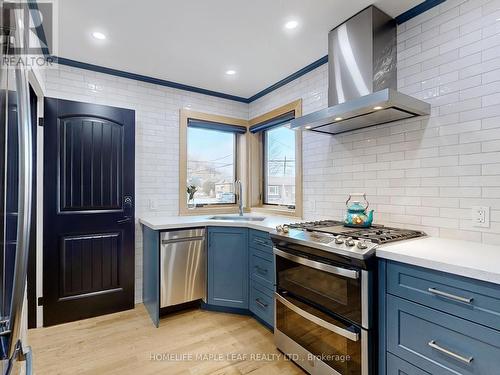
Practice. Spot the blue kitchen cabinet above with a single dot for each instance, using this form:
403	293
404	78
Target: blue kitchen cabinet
261	276
228	267
396	365
438	323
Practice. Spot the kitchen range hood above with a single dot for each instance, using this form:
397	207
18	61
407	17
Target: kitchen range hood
362	77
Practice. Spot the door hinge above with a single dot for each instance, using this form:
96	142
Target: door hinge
40	121
40	301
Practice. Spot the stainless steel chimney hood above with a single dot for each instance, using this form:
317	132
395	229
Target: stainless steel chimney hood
362	78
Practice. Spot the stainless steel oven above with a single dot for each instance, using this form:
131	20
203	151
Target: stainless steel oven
323	313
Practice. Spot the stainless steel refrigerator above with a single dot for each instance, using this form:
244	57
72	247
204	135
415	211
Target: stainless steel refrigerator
16	150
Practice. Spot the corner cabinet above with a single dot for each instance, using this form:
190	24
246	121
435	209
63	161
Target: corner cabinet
433	322
228	267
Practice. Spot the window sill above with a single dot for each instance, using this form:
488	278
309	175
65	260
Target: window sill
283	211
208	210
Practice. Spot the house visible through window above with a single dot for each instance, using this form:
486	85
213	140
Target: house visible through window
211	166
279	166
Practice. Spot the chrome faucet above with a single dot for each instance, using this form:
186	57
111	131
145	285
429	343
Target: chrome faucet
239	186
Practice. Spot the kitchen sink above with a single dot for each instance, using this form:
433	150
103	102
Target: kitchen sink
238	218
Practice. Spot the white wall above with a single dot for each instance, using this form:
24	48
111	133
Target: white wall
157	136
425	173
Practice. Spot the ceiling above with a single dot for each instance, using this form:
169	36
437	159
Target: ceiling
194	42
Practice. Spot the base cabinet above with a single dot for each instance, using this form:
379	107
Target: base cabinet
228	267
262	276
429	322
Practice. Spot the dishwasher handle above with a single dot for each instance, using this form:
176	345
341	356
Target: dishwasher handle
186	239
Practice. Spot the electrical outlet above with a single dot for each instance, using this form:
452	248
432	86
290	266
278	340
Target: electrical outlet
481	216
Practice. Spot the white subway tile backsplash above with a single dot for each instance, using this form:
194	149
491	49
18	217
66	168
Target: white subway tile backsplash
491	169
460	170
449	56
483	158
491	145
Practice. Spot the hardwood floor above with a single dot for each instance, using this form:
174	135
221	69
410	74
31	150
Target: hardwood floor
128	343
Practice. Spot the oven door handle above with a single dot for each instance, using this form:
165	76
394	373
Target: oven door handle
353	336
351	274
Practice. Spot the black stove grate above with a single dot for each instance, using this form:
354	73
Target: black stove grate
381	235
378	234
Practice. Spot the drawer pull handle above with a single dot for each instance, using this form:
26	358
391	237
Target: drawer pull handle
261	242
260	303
450	296
449	353
261	270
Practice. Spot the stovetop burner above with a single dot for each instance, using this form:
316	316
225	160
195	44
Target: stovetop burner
378	234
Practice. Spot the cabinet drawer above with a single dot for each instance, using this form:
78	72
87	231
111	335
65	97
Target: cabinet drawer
261	268
466	298
260	240
396	366
262	303
440	343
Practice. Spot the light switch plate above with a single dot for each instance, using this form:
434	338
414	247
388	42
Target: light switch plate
480	216
153	204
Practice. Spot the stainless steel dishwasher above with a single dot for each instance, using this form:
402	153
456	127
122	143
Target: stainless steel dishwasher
183	267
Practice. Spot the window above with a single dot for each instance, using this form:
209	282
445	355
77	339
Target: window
275	161
211	167
211	161
279	166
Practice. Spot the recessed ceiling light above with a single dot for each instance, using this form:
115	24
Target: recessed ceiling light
230	72
308	127
377	108
291	24
98	35
338	118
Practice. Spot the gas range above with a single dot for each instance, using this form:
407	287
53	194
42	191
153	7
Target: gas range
332	236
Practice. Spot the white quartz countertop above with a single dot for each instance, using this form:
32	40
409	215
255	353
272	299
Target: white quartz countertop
470	259
173	222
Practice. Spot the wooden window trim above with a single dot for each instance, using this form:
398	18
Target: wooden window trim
186	114
256	157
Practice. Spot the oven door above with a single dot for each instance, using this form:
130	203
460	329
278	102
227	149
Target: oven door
316	341
342	291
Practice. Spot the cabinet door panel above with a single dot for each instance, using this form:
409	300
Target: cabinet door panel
262	302
469	299
440	343
228	267
261	268
396	366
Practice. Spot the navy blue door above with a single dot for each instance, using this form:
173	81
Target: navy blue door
88	262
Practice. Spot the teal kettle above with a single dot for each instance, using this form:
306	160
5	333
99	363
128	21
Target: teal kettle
357	215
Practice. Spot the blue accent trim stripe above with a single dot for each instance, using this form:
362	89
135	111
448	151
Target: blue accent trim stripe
416	10
277	121
143	78
290	78
409	14
200	124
